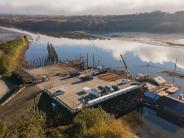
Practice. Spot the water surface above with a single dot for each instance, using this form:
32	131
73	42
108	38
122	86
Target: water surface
148	57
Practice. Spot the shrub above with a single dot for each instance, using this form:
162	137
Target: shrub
12	53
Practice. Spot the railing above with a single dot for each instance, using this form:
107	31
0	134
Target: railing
112	95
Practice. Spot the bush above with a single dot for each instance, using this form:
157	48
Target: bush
32	125
95	123
55	133
12	52
89	123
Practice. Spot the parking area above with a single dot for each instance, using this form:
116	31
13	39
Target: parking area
74	92
50	71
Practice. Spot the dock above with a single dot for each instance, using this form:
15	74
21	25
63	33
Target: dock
160	86
36	75
174	74
157	96
114	90
75	94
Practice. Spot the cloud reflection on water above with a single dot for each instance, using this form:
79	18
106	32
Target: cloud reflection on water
145	52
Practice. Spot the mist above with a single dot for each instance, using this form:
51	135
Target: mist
86	7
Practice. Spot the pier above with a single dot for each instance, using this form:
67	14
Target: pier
94	87
174	74
75	88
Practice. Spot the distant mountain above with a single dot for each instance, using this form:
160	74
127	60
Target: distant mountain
154	22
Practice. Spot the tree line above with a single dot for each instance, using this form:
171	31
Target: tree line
157	22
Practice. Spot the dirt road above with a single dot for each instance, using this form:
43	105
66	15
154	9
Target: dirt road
19	105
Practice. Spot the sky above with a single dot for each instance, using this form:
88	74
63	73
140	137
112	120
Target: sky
87	7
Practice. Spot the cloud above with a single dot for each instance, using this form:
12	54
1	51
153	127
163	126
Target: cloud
80	7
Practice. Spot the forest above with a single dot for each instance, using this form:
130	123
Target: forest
153	22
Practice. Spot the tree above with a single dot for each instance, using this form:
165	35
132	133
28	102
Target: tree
32	125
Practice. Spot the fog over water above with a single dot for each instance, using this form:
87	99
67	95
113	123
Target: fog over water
84	7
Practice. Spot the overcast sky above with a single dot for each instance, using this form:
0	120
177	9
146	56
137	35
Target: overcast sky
81	7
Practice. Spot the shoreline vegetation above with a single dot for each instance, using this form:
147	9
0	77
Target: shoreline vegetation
89	123
11	53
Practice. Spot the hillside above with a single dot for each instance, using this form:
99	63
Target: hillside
154	22
11	53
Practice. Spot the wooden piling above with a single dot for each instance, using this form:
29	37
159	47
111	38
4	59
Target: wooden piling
87	61
93	60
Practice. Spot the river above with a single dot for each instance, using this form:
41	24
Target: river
144	53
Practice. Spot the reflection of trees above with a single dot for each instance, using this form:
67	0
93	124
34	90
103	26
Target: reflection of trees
133	119
52	54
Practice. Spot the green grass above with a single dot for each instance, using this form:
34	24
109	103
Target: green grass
89	123
12	54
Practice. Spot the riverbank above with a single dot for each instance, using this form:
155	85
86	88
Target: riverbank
7	35
12	52
153	39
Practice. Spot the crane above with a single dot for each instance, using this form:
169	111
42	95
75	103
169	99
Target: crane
126	67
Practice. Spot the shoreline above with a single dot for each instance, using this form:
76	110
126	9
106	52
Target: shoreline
127	36
6	83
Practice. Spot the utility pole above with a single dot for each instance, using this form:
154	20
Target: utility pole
87	60
93	60
175	65
124	62
126	67
99	61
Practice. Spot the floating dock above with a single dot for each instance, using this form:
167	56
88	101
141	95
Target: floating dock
160	86
174	74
